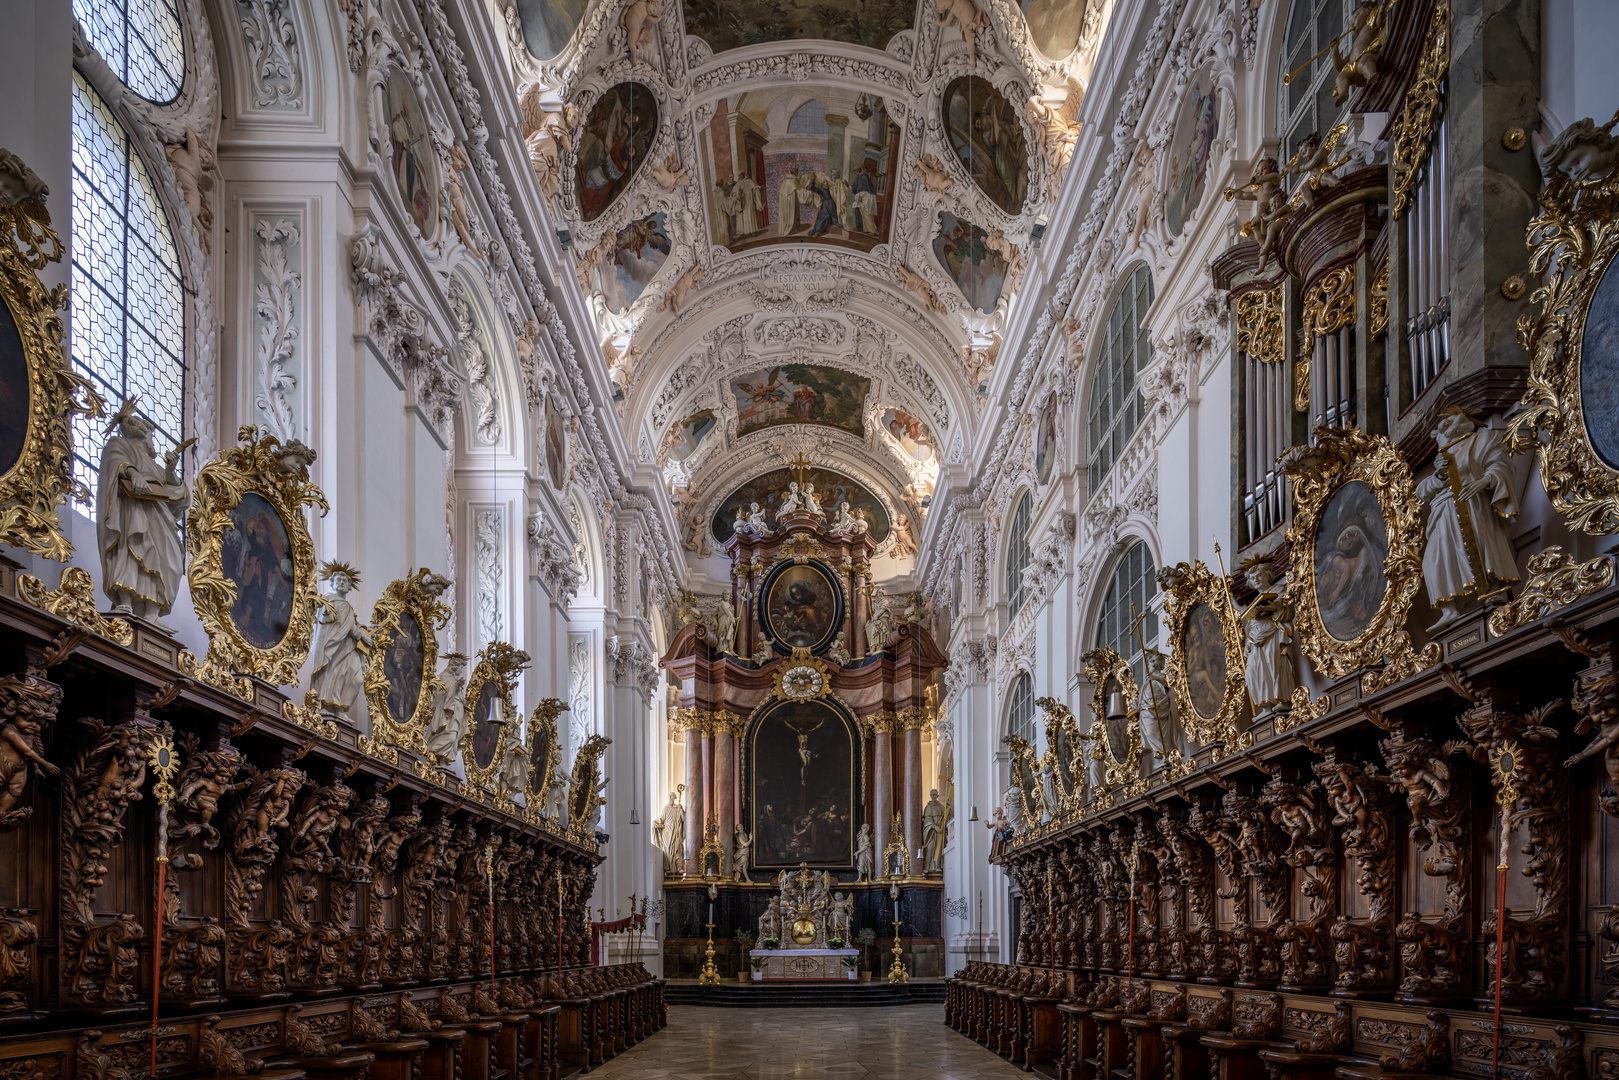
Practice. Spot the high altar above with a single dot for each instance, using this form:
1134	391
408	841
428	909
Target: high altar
806	917
805	692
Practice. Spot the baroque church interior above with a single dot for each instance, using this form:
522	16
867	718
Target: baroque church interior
1066	535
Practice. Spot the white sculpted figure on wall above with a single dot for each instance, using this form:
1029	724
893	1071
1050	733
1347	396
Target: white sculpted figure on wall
932	833
669	833
449	712
741	845
1267	633
1160	726
793	503
863	855
812	501
880	623
845	522
514	775
345	643
1470	501
724	627
1012	807
139	503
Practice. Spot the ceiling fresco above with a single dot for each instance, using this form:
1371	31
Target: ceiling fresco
800	227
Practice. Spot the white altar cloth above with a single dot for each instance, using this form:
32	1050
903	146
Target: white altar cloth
805	963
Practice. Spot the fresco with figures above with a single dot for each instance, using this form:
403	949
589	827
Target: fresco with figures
793	165
613	146
962	250
731	24
1056	25
830	487
986	134
413	160
548	24
1195	132
688	435
638	252
800	394
912	434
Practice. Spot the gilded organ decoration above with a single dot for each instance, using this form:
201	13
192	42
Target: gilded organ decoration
252	572
401	687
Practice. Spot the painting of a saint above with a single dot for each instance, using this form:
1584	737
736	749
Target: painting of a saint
800	164
1599	369
912	434
402	665
802	767
977	271
257	559
800	394
1055	25
801	606
414	161
486	721
689	434
986	134
14	393
539	754
1205	658
639	251
1351	544
769	489
612	145
556	444
1045	443
1199	123
547	25
731	24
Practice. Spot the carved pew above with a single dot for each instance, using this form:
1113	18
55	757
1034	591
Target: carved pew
396	1057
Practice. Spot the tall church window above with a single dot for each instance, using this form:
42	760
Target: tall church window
1129	599
128	322
141	42
1020	713
1306	96
1017	554
1115	408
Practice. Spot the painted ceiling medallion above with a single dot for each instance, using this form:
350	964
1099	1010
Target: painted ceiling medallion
987	136
613	145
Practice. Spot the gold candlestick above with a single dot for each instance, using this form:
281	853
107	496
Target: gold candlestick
897	974
710	975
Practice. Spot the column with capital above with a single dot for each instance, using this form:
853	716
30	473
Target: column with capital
881	726
723	789
910	722
696	802
860	603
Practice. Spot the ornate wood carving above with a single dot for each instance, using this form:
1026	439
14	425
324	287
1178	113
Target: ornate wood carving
1364	812
256	954
1302	812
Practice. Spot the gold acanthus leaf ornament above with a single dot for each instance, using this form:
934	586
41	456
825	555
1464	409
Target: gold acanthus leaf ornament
1555	580
1260	330
1413	129
278	473
1329	306
74	599
1572	245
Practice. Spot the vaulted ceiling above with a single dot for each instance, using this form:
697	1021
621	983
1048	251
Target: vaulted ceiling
800	227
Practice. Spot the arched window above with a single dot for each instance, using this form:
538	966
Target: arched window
141	42
1129	597
1306	100
1020	714
127	306
1017	554
1115	400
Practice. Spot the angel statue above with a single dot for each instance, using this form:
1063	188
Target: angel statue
812	501
756	519
863	861
793	503
449	712
842	520
345	643
139	503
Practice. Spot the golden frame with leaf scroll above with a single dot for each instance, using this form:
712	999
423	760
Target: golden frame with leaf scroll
1189	586
40	480
418	597
1338	457
1573	243
1102	665
542	722
498	666
1026	775
279	474
1070	782
582	786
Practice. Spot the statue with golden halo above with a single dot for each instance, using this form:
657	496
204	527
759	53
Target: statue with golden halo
340	654
139	503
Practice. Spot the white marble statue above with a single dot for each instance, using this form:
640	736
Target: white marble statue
793	503
514	775
1267	632
770	921
556	796
449	712
812	501
1012	803
669	833
741	850
139	504
1095	767
880	623
933	833
838	917
1160	724
756	519
725	627
345	643
863	855
842	520
997	823
1470	501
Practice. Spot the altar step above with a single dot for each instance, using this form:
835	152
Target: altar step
804	995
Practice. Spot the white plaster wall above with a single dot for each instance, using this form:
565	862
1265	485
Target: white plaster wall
1577	42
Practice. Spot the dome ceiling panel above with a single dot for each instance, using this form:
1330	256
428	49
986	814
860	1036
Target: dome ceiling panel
733	24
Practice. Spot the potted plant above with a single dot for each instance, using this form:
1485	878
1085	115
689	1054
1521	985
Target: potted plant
834	943
865	937
744	939
770	943
849	964
758	963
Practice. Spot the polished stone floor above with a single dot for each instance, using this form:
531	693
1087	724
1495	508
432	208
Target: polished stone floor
908	1042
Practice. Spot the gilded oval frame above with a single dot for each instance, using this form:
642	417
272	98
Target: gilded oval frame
416	596
1118	774
498	665
1193	585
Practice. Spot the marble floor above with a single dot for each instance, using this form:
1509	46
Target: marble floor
908	1042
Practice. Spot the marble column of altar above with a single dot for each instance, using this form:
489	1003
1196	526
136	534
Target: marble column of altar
724	806
911	724
882	812
851	582
708	782
858	600
695	808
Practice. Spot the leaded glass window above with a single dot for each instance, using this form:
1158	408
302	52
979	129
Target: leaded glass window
1020	714
128	332
1129	598
1017	554
1306	99
1115	407
140	40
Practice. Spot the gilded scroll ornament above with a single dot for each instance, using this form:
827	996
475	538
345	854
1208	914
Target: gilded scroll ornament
544	756
404	626
1377	320
1118	746
1206	661
1328	306
73	599
1555	581
36	475
1026	778
1412	132
1260	330
1572	245
1064	757
490	715
252	570
584	789
1356	537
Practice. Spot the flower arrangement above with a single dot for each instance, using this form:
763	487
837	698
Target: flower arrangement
770	943
834	943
